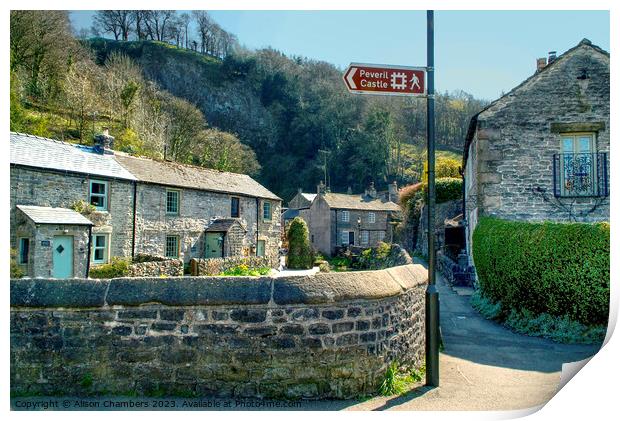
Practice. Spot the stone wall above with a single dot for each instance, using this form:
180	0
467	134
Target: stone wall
166	267
215	266
324	336
443	211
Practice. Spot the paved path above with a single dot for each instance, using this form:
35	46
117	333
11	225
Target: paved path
484	366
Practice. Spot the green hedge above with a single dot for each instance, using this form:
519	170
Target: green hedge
554	268
300	254
117	268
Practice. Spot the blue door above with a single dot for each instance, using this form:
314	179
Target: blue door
62	258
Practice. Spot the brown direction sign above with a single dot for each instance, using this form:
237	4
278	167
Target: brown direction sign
381	79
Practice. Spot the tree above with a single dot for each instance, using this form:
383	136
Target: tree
156	23
223	151
41	44
186	122
116	22
81	93
184	20
300	254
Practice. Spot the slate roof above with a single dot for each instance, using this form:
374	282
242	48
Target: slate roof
40	152
223	225
47	215
189	176
356	202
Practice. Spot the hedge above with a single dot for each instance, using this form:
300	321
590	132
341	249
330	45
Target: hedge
300	254
554	268
446	189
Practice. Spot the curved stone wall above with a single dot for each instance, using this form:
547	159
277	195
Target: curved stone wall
330	335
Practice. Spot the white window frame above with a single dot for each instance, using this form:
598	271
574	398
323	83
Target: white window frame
381	235
345	217
267	204
104	195
372	218
20	249
178	193
344	238
258	248
105	248
365	238
178	252
576	138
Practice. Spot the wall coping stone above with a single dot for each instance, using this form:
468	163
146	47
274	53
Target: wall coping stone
211	290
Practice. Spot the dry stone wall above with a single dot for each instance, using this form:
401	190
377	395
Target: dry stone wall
324	336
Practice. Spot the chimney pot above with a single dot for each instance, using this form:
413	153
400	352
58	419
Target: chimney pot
552	56
104	142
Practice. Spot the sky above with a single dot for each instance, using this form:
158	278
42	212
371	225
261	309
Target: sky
484	53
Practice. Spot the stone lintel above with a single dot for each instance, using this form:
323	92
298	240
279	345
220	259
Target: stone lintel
593	126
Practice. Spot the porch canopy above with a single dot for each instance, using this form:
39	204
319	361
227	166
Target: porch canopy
48	215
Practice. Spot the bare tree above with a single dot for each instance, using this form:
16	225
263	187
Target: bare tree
139	16
156	22
185	19
81	92
117	22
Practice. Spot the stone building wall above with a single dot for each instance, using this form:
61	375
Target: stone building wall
325	336
196	209
40	256
517	137
443	211
30	186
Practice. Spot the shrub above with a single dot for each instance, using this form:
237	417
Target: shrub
117	268
446	189
82	207
300	254
143	257
16	270
554	268
245	270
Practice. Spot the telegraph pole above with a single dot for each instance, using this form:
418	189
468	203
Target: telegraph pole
432	295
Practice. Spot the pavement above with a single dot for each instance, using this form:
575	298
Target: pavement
483	367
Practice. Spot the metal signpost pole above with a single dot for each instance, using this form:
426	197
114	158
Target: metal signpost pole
432	295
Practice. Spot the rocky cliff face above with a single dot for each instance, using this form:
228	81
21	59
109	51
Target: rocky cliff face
229	102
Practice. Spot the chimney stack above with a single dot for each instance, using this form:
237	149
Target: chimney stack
552	57
393	192
104	142
371	191
541	63
320	188
349	190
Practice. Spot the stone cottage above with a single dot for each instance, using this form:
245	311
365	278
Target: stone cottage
74	206
341	220
541	152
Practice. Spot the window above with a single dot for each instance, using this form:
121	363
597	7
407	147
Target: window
260	248
100	248
24	250
172	246
267	211
172	202
99	194
371	217
381	235
365	237
348	237
345	216
578	169
234	207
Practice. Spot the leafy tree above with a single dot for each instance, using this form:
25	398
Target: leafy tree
300	254
223	151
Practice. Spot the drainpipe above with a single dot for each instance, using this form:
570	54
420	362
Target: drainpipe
90	243
133	227
464	207
256	246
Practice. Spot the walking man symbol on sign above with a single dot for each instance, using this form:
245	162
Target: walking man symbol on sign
415	82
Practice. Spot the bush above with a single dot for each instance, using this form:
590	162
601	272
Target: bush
117	268
300	254
245	270
143	258
554	268
446	189
16	270
375	258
